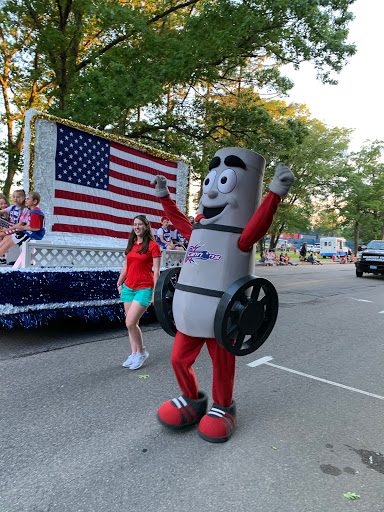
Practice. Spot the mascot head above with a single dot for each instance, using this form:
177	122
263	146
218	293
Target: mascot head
232	190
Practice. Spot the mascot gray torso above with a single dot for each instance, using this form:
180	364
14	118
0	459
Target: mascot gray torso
231	194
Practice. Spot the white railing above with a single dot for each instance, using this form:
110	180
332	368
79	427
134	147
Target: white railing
44	254
171	258
40	254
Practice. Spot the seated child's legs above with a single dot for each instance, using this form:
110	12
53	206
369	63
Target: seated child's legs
19	238
6	244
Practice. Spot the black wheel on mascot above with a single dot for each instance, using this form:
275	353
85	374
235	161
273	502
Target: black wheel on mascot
246	315
163	299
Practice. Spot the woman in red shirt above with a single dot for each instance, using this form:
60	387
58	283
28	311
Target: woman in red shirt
136	283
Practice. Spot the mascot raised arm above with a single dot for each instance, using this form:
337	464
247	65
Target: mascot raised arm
217	300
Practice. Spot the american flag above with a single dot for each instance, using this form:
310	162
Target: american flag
101	185
4	223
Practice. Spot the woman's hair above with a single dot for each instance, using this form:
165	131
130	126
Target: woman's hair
146	237
5	198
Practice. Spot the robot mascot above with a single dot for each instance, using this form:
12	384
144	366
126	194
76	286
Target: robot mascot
216	298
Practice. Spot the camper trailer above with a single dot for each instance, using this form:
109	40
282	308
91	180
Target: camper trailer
333	246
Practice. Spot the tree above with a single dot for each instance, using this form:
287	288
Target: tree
360	192
317	156
100	63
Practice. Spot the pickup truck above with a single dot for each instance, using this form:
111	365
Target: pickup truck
371	259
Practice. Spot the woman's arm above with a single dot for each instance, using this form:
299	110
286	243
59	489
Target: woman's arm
156	270
122	275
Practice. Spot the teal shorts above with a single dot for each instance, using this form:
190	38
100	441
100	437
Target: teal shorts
144	296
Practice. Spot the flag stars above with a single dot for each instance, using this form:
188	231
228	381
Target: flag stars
83	159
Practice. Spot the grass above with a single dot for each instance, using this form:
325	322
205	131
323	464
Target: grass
292	256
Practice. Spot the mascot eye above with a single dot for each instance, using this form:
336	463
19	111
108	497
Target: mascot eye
208	182
227	181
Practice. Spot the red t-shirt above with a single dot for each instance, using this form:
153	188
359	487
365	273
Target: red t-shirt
139	266
36	220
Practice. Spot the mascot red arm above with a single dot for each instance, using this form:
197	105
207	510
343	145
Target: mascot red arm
220	251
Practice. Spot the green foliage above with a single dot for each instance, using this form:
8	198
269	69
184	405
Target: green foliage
360	192
184	77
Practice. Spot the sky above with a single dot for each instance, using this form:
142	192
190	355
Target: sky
357	101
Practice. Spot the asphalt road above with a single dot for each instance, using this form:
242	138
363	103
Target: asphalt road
78	432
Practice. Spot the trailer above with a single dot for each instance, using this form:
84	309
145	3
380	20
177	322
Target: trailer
333	246
89	209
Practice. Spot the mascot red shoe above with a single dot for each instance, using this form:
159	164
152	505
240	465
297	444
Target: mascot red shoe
220	251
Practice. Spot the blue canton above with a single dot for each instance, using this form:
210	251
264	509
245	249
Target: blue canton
82	158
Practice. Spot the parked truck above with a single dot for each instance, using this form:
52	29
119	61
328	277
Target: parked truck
333	246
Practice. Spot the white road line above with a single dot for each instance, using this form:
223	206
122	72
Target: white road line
359	300
381	311
325	381
260	361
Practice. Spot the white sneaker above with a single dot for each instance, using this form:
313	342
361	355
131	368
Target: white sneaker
139	360
129	361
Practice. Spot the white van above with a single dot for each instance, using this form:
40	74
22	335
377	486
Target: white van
333	245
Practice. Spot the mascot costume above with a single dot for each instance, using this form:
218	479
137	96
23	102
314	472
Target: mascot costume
220	253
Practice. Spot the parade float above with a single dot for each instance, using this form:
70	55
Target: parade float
92	184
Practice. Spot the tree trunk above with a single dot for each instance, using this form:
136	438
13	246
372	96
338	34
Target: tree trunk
14	153
13	162
356	233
